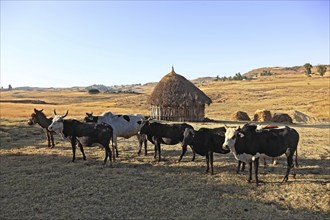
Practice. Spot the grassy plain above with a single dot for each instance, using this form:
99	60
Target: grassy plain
41	183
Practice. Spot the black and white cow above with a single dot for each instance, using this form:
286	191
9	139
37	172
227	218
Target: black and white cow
169	134
205	141
248	144
87	134
124	126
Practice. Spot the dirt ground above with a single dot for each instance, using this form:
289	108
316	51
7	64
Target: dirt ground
41	183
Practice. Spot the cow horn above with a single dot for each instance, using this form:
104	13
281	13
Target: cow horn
55	112
226	126
67	111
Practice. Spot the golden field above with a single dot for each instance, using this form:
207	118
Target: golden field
41	183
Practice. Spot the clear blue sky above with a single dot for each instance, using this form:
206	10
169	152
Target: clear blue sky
80	43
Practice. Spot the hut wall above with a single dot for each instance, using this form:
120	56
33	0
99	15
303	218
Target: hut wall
189	113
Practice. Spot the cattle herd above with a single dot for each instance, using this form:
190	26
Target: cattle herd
248	144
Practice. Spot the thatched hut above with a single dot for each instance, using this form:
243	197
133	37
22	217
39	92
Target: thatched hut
177	99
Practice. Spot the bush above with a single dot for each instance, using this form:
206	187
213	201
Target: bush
93	91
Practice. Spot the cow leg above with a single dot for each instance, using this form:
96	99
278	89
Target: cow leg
240	163
250	172
108	154
73	145
192	148
48	138
159	153
52	139
114	148
207	162
184	150
142	140
140	143
243	166
256	166
82	150
211	161
155	154
289	165
274	161
145	142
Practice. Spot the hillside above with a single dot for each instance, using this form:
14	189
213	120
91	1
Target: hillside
283	71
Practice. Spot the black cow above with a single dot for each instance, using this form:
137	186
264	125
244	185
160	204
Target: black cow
248	144
205	141
87	134
221	131
169	134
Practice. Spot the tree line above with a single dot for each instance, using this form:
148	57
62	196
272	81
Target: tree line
321	69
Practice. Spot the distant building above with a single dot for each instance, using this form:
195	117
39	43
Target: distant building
177	99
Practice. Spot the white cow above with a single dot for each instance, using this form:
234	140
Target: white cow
124	126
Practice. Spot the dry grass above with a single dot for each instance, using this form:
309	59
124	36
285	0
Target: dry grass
41	183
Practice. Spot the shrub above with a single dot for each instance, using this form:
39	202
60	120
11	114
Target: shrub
93	91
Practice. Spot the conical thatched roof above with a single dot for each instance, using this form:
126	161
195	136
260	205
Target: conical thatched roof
175	90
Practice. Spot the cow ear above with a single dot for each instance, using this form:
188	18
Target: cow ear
35	110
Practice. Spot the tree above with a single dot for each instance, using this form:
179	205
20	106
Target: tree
321	69
9	87
308	68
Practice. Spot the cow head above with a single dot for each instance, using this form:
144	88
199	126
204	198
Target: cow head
188	137
230	137
90	118
144	126
57	123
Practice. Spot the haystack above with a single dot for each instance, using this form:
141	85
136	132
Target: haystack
282	118
177	99
240	116
262	116
300	117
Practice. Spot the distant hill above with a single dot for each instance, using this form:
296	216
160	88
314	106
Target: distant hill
282	71
138	88
203	79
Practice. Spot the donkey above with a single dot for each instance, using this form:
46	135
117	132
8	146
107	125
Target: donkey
38	117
